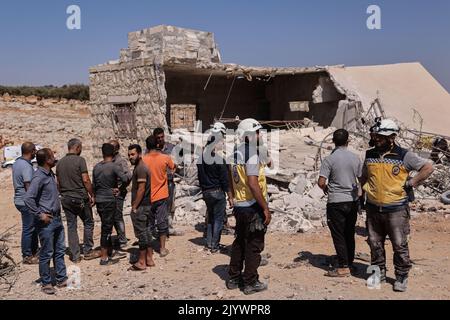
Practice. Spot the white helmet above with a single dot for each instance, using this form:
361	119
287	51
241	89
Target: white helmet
246	126
219	127
387	127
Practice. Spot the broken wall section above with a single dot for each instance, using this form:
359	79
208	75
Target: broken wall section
285	89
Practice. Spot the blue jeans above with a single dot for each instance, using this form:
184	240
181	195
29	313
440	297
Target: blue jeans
53	247
29	233
216	205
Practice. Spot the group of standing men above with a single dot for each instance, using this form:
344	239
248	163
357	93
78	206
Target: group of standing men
384	177
39	195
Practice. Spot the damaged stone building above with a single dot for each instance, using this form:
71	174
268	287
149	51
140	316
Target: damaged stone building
172	77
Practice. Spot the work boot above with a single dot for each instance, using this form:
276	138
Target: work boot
401	284
234	283
31	260
91	255
48	289
255	288
61	285
339	273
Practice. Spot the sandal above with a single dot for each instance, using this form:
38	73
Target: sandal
135	268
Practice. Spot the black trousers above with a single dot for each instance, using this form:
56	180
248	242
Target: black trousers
119	223
106	211
74	209
247	246
341	222
396	225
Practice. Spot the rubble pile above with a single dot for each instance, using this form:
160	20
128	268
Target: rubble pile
294	198
296	201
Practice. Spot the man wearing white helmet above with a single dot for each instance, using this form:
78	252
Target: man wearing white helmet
388	187
214	182
250	210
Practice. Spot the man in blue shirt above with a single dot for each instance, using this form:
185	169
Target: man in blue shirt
42	200
22	173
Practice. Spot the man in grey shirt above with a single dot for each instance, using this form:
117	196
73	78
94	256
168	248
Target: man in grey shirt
77	199
119	223
342	170
22	172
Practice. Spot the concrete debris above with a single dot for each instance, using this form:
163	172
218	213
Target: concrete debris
294	200
187	191
298	184
305	226
272	189
316	193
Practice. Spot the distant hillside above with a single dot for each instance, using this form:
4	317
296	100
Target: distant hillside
73	91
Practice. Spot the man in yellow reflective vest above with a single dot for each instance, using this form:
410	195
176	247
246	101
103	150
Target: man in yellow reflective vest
389	188
250	209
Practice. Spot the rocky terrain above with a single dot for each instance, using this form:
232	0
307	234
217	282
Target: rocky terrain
49	123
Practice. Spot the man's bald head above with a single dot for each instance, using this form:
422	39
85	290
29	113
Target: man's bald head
28	150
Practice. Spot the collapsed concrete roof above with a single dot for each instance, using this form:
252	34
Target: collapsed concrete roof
401	88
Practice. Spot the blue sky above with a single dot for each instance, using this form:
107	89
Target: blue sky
36	48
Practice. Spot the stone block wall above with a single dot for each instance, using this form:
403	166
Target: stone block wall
127	79
165	44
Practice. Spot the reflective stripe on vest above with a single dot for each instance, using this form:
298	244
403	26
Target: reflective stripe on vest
387	176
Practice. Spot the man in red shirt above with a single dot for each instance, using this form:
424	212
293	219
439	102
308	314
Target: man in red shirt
158	163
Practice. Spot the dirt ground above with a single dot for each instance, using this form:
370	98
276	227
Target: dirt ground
188	272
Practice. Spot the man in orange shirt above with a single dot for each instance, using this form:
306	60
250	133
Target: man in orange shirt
158	163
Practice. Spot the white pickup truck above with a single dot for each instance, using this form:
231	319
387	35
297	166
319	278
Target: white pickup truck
12	153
